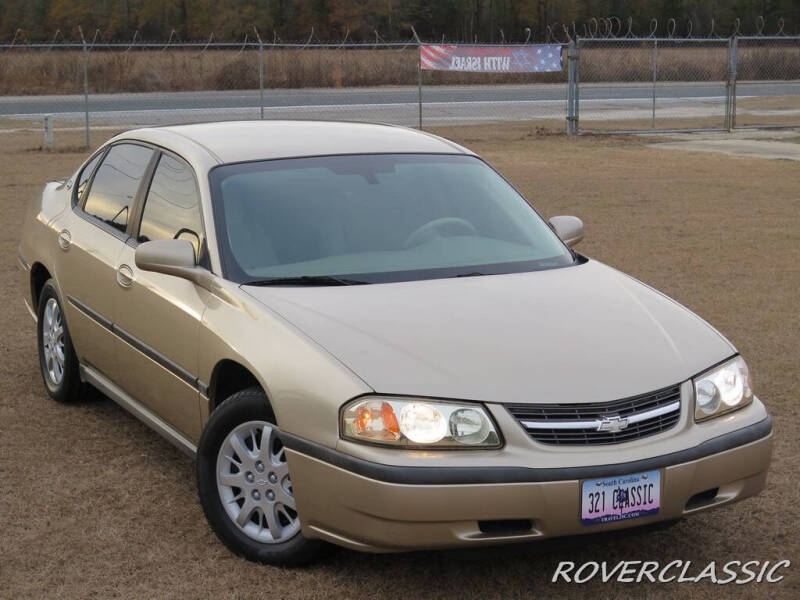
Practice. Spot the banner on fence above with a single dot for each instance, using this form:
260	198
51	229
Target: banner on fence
539	58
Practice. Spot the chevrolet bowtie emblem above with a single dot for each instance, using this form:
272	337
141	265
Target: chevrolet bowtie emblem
612	424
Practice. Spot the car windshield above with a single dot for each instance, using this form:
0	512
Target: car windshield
340	220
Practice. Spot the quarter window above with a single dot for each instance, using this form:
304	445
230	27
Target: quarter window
172	208
86	174
114	187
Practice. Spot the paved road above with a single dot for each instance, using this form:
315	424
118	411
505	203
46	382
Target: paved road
442	104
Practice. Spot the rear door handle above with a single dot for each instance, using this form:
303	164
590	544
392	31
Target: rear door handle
125	276
64	239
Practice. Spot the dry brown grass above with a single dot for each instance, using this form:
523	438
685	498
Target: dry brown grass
763	111
110	71
633	61
94	505
686	61
28	72
768	103
663	122
775	111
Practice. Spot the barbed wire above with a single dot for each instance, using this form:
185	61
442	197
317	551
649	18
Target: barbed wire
133	41
554	33
94	38
344	41
210	39
172	34
244	45
310	37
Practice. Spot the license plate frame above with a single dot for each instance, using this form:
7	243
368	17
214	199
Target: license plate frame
621	498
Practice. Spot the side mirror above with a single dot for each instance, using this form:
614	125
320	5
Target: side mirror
171	257
569	229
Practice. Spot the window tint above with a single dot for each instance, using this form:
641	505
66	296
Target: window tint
86	174
376	218
172	208
114	187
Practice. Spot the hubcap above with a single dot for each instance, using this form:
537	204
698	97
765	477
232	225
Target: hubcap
261	505
53	342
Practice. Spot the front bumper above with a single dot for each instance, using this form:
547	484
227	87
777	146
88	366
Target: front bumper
374	507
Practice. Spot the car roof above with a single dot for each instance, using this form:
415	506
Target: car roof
239	141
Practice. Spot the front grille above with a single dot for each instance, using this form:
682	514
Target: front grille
600	422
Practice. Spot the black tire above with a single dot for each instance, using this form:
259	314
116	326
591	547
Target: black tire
70	388
248	405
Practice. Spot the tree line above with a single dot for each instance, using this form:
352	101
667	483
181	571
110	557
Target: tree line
371	20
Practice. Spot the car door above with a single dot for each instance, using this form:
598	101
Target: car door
91	240
158	316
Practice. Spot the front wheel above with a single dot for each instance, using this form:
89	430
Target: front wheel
245	486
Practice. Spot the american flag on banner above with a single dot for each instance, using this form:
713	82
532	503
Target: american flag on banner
538	58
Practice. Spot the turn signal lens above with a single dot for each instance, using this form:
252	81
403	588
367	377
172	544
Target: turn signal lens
376	420
412	422
389	419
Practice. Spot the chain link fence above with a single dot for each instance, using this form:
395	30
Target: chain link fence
684	84
111	86
118	86
767	82
652	84
609	84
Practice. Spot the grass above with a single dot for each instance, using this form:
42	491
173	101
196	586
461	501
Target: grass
94	505
663	122
767	103
24	71
29	72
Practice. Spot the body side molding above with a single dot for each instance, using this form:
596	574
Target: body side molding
132	340
138	410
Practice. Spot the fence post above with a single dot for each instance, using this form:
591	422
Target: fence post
577	89
86	89
571	87
727	122
419	85
573	65
733	69
48	132
419	73
655	78
261	76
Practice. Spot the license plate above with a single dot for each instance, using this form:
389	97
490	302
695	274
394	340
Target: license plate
620	498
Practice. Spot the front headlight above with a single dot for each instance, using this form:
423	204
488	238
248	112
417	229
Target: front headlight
722	389
418	423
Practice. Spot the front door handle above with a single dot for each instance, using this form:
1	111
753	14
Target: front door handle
125	276
64	239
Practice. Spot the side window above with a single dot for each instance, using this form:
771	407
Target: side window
86	174
172	208
114	187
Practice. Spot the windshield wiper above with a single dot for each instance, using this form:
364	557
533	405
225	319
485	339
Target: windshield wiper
310	280
473	274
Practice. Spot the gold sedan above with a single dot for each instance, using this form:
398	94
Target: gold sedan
367	337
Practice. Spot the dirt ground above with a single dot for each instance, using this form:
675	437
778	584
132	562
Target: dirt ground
95	505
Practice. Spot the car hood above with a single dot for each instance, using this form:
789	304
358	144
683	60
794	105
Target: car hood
577	334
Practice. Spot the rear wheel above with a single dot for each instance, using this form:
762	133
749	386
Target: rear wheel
245	486
57	360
